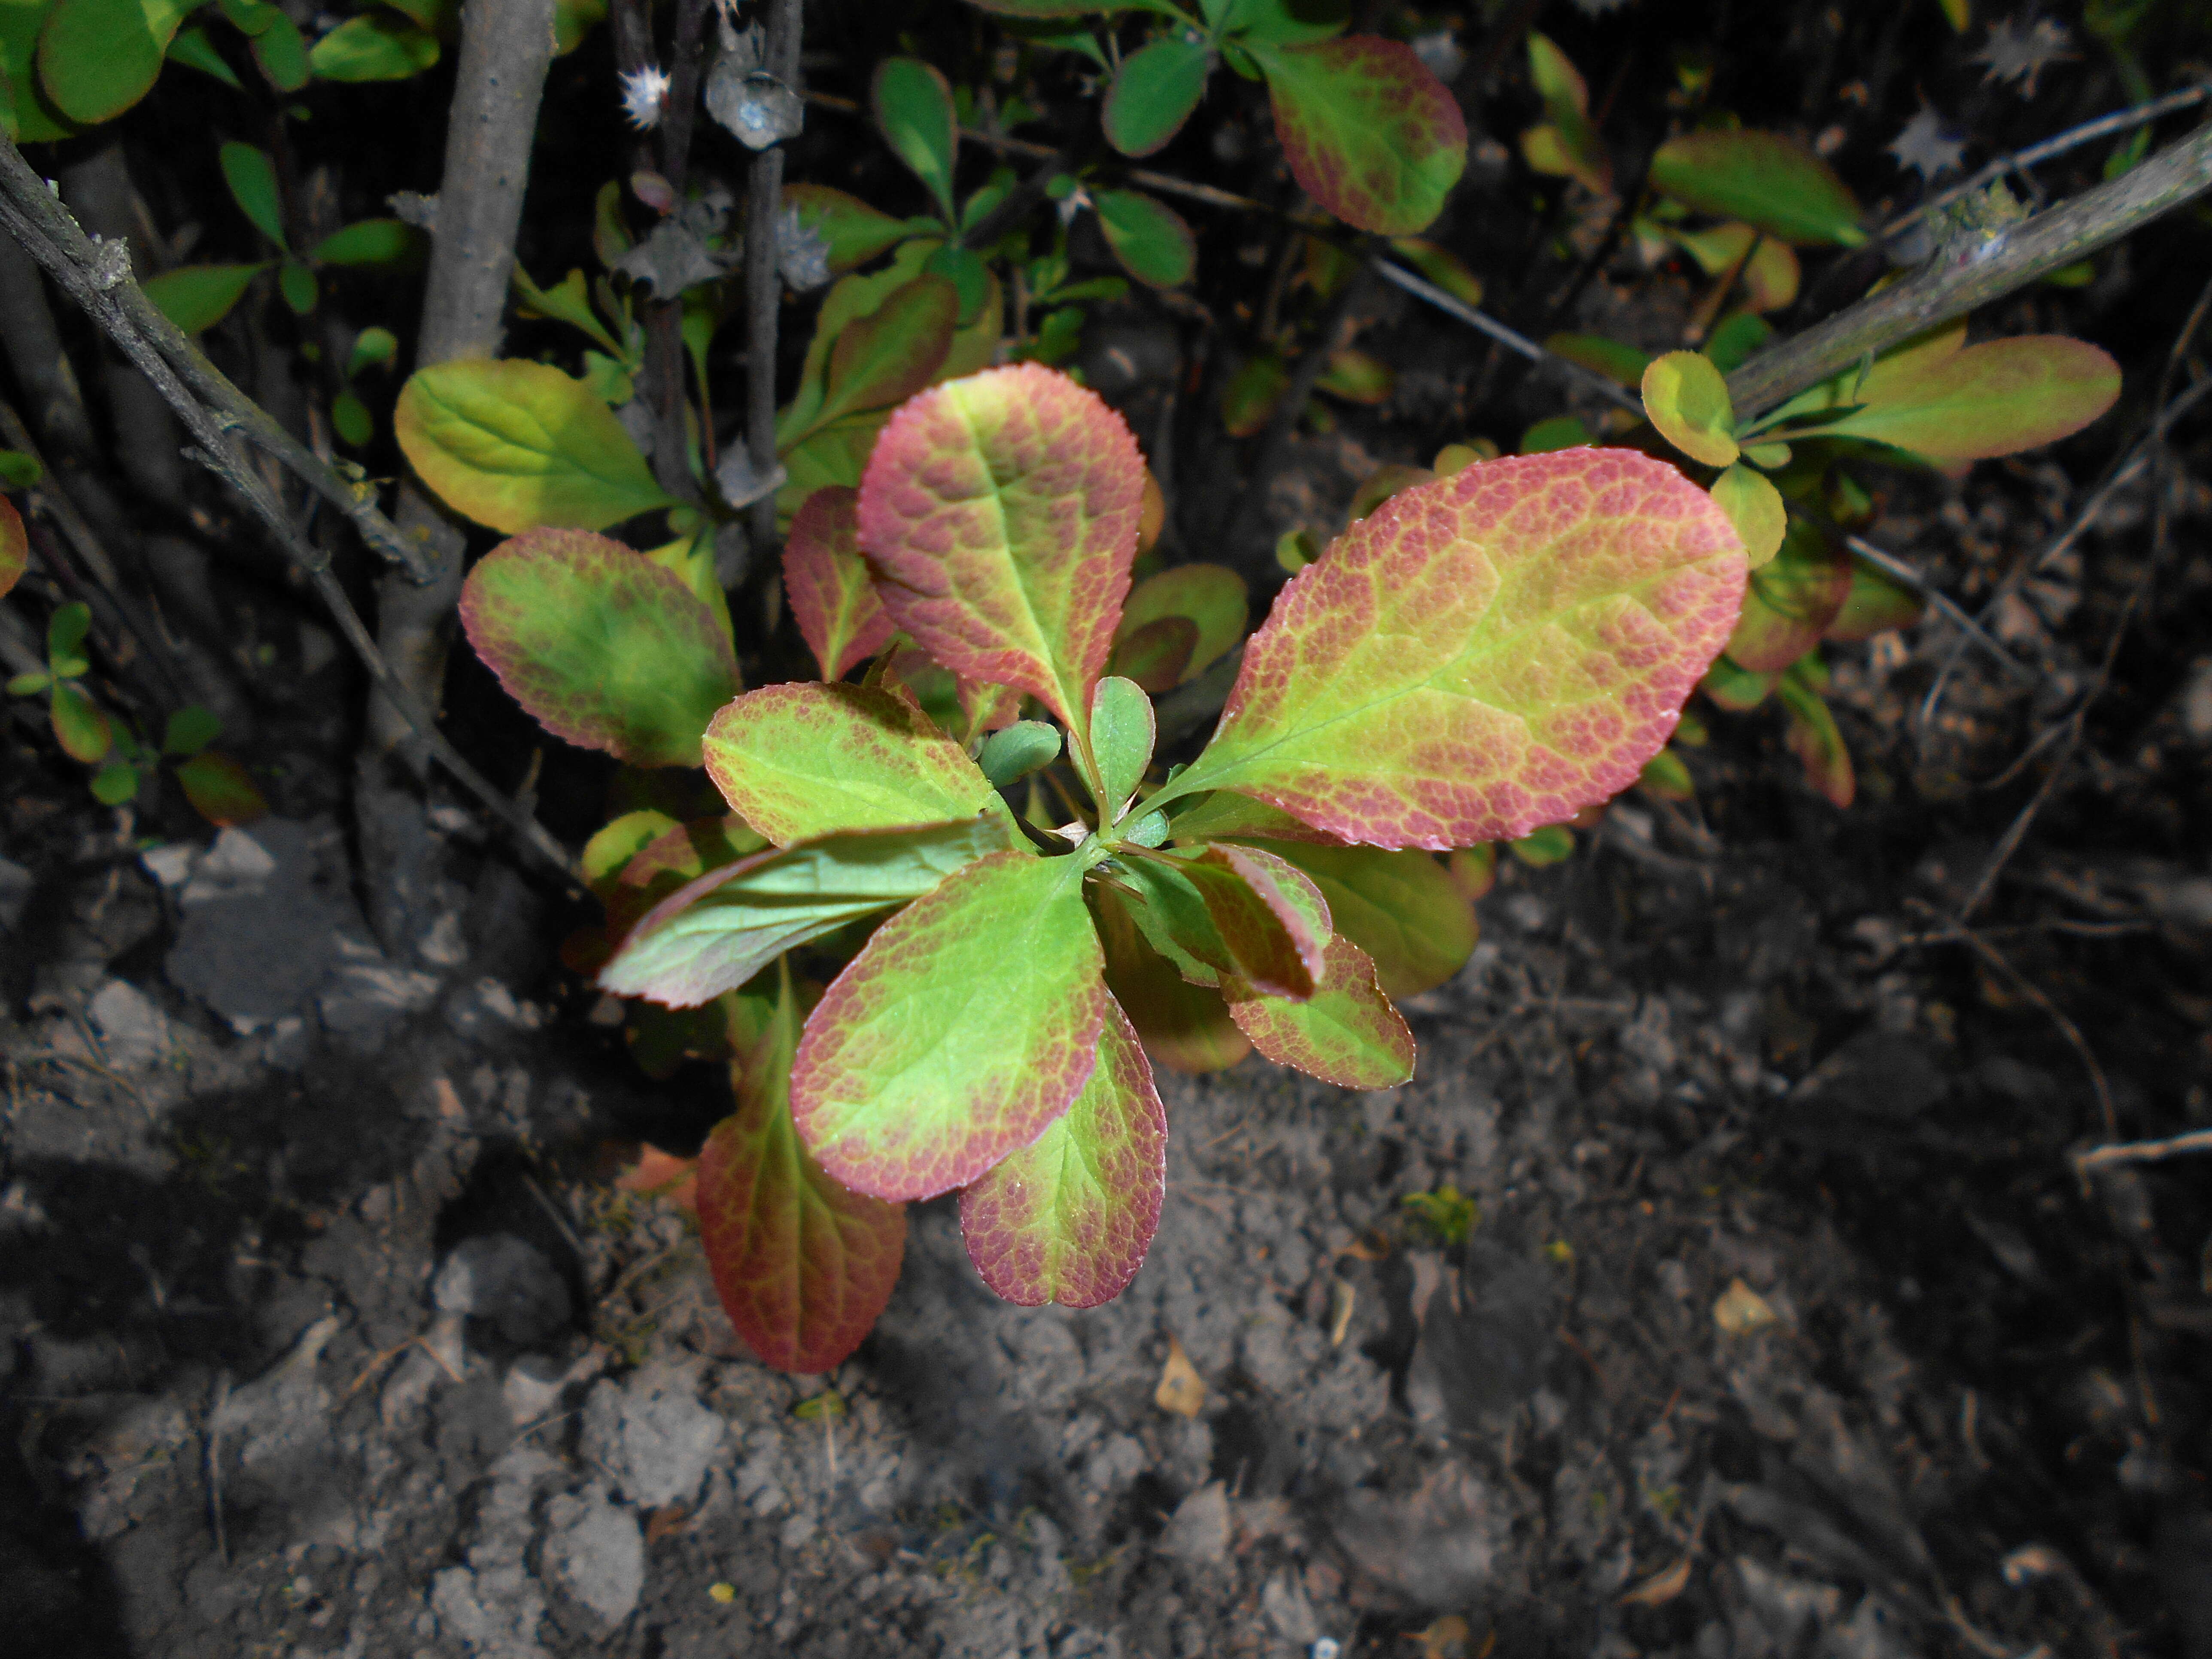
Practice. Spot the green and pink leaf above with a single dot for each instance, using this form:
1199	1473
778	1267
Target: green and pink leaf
826	580
600	645
1346	1033
1000	514
803	1266
1483	654
1069	1217
964	1027
1368	132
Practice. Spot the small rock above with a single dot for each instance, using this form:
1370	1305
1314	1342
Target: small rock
134	1032
651	1437
532	1387
506	1283
1436	1545
594	1551
1284	1603
1197	1532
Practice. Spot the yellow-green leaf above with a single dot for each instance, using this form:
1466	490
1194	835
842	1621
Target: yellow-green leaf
517	445
1686	398
1755	507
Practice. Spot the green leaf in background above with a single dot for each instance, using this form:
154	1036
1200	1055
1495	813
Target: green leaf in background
14	544
1498	650
518	445
1346	1033
282	52
375	46
573	20
19	470
1876	603
1248	400
189	730
1011	753
1441	267
97	58
350	419
1069	1217
1211	597
1356	377
1158	87
716	931
1147	236
1566	146
252	176
197	297
1370	133
968	1022
1736	687
65	632
1401	909
390	243
220	790
1995	398
968	272
1686	398
1812	737
804	759
1553	843
1121	736
1755	507
1790	601
79	726
826	582
803	1266
887	356
372	348
601	646
296	283
569	301
855	232
1622	364
1763	179
1181	1024
115	784
913	104
1156	654
1666	777
1280	22
27	114
194	50
1000	515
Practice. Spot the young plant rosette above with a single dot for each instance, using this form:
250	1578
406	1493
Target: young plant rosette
1483	655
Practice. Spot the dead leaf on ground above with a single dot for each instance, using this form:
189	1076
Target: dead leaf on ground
668	1519
1741	1311
1661	1588
1181	1390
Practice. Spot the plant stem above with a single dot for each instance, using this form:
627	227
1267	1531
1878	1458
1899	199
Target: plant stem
763	282
98	289
1954	282
56	240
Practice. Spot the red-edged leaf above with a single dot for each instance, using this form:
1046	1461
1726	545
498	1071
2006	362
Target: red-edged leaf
965	1026
1268	913
887	356
1000	513
15	546
602	646
1181	1025
826	580
1346	1033
1158	86
1370	133
1068	1218
1791	600
1483	654
79	725
803	1265
220	790
1995	398
806	759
